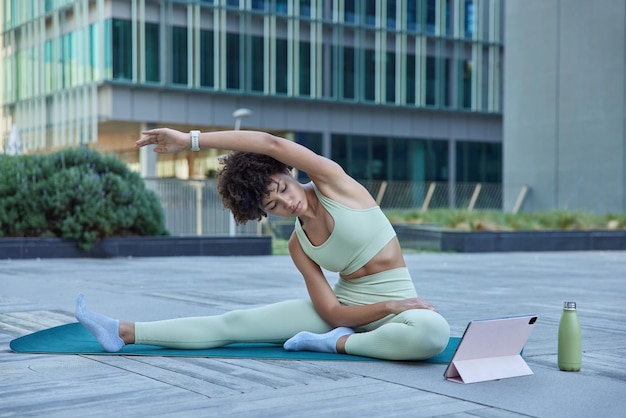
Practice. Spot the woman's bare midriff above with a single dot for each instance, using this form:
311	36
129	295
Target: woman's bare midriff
390	257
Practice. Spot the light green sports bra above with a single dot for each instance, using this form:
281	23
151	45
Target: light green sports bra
358	235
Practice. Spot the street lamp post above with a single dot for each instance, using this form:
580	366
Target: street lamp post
238	114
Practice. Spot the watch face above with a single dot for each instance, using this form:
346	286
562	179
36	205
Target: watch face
194	140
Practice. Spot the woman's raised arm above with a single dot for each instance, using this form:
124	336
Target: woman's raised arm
317	167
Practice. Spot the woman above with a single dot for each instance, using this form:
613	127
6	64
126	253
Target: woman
373	310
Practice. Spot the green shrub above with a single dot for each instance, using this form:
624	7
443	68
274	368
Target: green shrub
76	194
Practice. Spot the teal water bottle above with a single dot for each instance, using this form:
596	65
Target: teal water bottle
570	340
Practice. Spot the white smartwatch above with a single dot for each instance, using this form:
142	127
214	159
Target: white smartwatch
194	140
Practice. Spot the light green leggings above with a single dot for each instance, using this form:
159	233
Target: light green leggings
412	335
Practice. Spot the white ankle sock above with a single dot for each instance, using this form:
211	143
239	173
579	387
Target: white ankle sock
308	341
105	329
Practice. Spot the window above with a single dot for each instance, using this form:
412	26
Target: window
379	159
469	19
391	14
410	79
369	158
437	162
445	81
369	79
412	22
94	47
207	64
399	153
326	67
232	61
448	5
258	63
305	8
426	160
358	157
339	151
431	16
370	12
349	11
465	90
431	77
50	67
121	51
312	141
349	73
478	162
305	68
438	82
261	5
281	66
391	77
179	55
281	7
152	52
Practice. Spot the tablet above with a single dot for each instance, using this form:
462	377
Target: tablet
491	349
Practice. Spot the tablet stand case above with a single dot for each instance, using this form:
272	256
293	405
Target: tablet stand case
483	369
491	350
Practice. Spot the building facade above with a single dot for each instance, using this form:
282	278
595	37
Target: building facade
402	90
565	101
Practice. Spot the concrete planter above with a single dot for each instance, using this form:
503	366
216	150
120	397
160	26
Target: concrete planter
159	246
424	238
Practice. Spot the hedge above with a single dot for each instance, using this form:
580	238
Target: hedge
76	194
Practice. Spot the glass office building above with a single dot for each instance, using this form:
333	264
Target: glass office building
406	90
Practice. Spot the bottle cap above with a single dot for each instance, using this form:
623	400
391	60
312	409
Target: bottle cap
569	305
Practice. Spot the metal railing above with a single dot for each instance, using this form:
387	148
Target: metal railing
436	195
193	207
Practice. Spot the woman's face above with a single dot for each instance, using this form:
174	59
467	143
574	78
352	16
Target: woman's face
286	196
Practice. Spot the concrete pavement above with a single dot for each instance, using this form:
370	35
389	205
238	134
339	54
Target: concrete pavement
36	294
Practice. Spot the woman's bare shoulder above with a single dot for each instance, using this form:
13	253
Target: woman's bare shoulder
347	191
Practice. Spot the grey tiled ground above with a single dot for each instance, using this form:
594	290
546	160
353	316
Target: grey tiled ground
35	294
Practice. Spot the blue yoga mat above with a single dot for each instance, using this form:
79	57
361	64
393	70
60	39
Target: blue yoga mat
76	339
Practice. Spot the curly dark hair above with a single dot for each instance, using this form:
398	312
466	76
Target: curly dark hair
243	182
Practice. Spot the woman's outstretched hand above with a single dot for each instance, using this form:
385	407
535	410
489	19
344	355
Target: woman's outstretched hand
166	140
399	306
